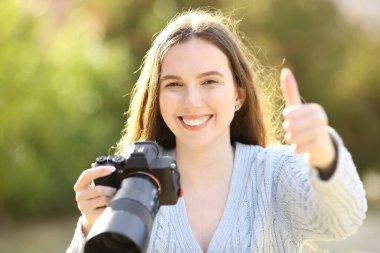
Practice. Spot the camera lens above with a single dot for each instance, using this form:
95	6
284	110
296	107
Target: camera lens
126	223
113	243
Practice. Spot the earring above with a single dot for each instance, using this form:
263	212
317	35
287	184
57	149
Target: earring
237	107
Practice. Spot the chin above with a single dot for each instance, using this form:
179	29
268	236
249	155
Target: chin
194	143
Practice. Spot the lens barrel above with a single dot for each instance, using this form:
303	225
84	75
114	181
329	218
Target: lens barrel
126	224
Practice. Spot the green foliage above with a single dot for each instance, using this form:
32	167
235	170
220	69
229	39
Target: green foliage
335	63
62	104
65	71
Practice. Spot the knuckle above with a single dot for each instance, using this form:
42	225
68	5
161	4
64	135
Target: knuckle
286	124
78	196
76	186
80	206
98	190
319	109
315	106
104	200
85	173
80	179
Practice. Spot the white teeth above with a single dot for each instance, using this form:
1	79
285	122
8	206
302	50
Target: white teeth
196	122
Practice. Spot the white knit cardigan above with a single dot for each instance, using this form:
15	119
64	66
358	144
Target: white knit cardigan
276	202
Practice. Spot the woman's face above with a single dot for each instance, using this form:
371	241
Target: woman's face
197	94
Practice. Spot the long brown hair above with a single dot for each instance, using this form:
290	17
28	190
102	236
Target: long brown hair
144	119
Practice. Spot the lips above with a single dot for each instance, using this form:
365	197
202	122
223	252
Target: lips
195	121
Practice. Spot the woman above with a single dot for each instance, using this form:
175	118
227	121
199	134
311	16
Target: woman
197	96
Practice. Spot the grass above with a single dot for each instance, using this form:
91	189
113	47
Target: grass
50	236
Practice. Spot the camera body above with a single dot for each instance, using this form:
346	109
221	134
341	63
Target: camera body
144	161
144	181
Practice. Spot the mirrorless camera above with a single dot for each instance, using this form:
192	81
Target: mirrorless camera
144	181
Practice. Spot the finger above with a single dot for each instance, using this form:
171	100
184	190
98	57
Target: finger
289	88
309	121
89	219
308	135
99	202
106	190
92	204
88	175
91	216
308	147
303	111
94	192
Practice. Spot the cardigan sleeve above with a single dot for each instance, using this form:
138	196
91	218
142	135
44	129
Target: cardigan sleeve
318	209
78	241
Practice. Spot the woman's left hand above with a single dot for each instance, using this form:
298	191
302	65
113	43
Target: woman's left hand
305	126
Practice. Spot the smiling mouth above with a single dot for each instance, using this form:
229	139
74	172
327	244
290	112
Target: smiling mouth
195	121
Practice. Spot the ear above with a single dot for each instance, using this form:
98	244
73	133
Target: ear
241	94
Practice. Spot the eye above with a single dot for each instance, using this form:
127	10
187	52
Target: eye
173	85
210	81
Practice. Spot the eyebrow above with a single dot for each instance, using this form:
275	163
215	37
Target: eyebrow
208	73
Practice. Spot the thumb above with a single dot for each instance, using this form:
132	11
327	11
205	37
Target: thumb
289	88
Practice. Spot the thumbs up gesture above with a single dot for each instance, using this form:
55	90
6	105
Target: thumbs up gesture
305	126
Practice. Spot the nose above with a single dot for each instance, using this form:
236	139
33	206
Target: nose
193	97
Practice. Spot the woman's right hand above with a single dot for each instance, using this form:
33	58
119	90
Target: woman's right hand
92	199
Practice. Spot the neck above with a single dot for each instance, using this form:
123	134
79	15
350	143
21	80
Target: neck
204	166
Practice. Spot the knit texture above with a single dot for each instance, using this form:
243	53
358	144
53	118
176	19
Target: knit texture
276	202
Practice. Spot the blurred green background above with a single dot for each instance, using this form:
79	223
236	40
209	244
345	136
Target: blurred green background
67	67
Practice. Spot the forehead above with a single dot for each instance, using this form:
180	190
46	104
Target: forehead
194	55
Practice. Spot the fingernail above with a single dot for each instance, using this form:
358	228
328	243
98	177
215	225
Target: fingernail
288	136
284	74
285	112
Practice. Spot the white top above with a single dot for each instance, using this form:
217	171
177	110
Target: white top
276	202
